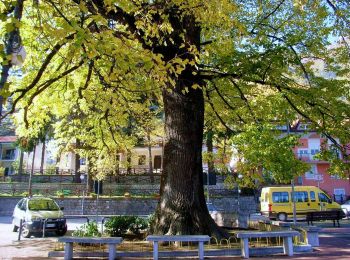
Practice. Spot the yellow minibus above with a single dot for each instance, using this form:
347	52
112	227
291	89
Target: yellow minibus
276	201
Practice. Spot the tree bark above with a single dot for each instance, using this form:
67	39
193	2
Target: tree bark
30	182
42	156
150	163
77	164
209	142
182	208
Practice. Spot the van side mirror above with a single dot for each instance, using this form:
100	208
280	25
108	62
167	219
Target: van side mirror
61	208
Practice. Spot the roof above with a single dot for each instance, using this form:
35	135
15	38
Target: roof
8	139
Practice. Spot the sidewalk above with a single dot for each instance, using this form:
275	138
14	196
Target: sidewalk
334	245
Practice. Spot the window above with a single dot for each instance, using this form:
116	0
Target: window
142	159
323	198
302	152
82	161
280	197
311	174
9	154
312	196
314	152
301	196
339	194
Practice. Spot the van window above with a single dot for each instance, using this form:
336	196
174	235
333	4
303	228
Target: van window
280	197
312	196
323	198
301	196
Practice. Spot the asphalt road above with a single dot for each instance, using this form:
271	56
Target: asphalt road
334	243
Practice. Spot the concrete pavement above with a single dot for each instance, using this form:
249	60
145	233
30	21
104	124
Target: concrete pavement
334	244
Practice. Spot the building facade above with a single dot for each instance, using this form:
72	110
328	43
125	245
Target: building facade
310	144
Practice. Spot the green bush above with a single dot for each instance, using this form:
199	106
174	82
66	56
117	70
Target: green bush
89	229
119	225
138	225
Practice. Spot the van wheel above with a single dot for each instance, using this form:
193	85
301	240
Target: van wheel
282	216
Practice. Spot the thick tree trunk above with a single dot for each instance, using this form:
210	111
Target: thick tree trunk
182	208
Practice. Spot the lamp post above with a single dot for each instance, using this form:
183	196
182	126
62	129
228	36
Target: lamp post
239	220
82	177
293	200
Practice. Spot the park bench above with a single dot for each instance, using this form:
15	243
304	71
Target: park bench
286	235
334	215
110	241
180	238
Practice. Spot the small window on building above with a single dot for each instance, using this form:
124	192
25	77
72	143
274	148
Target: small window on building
339	195
82	161
311	174
9	154
280	197
142	160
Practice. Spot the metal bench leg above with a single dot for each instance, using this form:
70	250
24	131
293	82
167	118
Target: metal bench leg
288	246
68	251
244	247
155	250
201	250
111	252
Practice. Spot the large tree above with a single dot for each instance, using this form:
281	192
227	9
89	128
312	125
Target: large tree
251	61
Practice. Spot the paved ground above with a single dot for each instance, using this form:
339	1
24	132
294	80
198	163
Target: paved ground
334	244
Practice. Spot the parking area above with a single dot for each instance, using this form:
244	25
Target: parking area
27	248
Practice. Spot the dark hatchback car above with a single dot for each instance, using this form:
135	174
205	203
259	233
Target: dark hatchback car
37	214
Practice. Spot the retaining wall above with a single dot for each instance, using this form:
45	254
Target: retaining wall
132	206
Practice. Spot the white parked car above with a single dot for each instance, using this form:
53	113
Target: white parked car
36	214
346	208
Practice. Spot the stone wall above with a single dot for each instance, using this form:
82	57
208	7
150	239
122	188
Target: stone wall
132	206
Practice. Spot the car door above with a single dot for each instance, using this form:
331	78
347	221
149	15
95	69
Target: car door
302	203
323	201
314	204
19	212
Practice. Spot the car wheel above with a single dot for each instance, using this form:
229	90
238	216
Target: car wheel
25	231
282	216
61	232
15	228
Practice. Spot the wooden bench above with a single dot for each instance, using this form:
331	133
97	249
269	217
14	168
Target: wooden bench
180	238
110	241
334	215
286	235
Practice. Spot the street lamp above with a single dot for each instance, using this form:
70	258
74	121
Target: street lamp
82	177
239	221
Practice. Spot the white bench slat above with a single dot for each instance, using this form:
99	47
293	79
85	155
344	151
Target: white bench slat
257	234
286	235
180	238
93	240
111	241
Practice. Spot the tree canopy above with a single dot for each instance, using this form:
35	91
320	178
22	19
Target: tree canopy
91	65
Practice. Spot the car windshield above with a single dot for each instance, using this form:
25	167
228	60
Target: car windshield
44	204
